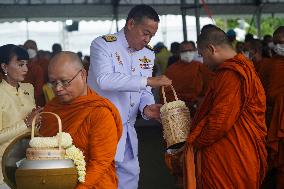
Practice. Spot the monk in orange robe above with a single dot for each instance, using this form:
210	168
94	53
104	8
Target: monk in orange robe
35	75
92	121
275	96
228	131
190	78
254	51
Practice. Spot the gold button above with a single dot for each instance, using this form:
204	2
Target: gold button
22	104
17	94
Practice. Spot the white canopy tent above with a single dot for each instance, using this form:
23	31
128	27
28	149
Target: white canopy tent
37	10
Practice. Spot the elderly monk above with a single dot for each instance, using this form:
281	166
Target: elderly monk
229	130
92	121
275	96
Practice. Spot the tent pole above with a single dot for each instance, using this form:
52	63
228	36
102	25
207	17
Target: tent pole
183	16
197	17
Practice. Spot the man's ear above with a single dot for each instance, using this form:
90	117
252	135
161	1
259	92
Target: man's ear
130	24
84	73
211	48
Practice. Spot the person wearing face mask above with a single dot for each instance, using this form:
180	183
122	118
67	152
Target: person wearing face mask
254	52
268	45
36	75
17	98
275	98
188	69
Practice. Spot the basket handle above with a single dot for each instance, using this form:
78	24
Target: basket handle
59	125
164	95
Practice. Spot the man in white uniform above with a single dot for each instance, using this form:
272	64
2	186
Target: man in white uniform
121	70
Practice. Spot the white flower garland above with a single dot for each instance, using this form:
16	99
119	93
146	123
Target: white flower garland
72	152
77	156
51	142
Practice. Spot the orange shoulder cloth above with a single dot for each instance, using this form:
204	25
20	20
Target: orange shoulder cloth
76	111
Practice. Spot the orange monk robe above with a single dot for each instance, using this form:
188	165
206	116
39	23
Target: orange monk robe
95	126
35	76
275	138
190	81
229	130
44	66
263	72
257	65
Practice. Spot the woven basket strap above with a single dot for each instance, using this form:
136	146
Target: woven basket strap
59	125
164	95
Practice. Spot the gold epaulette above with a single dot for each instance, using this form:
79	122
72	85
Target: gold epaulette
150	47
109	38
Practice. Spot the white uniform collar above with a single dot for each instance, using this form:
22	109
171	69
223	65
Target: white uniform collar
124	42
122	38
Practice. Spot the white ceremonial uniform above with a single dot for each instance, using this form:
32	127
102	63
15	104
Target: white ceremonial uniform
120	73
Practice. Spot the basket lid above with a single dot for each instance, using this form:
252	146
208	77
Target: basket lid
12	154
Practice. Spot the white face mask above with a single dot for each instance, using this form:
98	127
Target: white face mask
187	56
247	54
279	49
32	53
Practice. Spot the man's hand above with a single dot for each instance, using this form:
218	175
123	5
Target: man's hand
158	81
152	111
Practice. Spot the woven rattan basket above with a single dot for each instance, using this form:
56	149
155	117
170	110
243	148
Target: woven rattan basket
176	121
46	153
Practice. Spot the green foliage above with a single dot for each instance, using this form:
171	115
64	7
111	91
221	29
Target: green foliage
268	24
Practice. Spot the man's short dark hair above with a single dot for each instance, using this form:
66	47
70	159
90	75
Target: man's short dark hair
211	34
139	12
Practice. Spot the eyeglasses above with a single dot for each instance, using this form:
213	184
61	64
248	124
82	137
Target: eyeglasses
63	83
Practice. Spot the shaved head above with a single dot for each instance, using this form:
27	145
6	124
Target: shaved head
67	76
214	46
66	58
212	35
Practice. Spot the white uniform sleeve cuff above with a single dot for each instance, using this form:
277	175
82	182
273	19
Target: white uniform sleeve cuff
143	83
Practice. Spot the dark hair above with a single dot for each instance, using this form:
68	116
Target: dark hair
211	34
7	52
175	47
56	47
139	12
248	37
188	42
